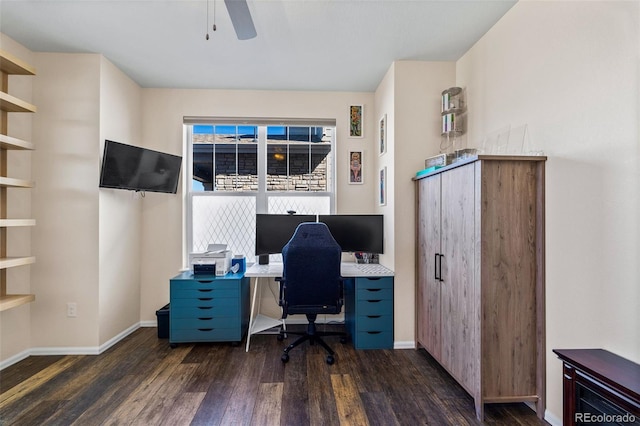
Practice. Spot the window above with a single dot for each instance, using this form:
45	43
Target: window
238	170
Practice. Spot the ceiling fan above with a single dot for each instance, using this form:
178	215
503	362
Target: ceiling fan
241	19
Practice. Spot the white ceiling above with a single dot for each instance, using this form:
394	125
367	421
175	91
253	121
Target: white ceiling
330	45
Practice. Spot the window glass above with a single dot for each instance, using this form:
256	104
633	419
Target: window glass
227	189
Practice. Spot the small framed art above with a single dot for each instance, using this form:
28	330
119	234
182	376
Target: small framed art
382	198
383	135
355	167
355	129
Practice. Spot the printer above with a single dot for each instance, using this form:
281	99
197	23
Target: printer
216	260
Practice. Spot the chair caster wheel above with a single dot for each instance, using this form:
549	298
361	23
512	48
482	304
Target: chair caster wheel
280	337
285	358
173	345
330	359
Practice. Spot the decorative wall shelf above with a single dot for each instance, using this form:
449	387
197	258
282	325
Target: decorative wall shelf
452	109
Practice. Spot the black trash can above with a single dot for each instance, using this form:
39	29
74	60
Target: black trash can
163	322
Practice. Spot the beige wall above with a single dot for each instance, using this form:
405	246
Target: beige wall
86	241
15	324
162	114
569	70
414	123
120	212
65	199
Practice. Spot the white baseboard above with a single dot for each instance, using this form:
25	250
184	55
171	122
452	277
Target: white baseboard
552	419
409	344
70	350
15	359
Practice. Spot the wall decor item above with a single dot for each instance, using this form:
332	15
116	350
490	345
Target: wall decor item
382	197
383	134
355	167
453	119
355	129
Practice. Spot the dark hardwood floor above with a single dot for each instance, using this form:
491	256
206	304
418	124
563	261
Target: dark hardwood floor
142	381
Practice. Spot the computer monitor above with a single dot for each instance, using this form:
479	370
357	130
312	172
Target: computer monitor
357	233
273	231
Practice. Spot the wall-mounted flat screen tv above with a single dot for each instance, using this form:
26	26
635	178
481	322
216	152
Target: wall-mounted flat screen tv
139	169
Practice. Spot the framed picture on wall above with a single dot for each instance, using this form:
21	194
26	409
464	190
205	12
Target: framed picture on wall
383	134
355	128
382	198
355	167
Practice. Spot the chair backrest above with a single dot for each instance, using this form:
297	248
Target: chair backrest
311	271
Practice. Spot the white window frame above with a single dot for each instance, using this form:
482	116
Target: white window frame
262	195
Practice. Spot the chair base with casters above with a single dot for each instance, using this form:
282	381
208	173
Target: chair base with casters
313	336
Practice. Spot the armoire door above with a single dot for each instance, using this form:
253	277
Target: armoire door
428	292
458	296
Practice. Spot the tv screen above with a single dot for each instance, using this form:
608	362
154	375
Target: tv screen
273	231
139	169
357	233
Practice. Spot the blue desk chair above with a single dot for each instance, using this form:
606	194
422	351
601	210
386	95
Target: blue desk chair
311	283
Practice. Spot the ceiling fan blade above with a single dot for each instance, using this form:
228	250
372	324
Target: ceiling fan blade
241	19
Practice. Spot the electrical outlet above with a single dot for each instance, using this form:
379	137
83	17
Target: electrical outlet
72	310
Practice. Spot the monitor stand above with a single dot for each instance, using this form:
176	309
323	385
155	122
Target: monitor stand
263	259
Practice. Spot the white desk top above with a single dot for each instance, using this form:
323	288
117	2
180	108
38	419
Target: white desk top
347	269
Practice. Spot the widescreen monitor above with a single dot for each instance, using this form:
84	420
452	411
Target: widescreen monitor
273	231
357	233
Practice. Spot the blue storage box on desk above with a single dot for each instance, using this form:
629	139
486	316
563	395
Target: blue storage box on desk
208	308
369	312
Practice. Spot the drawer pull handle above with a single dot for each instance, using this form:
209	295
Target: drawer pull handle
205	290
374	278
205	282
205	329
374	332
205	298
374	316
374	289
205	318
205	307
374	301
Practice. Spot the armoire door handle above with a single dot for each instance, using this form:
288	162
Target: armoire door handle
440	266
435	267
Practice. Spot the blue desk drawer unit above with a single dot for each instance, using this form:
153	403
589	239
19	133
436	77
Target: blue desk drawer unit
208	308
369	312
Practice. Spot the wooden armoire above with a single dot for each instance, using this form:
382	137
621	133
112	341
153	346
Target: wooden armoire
480	276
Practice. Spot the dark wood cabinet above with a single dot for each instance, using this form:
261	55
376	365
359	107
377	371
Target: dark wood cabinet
599	387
